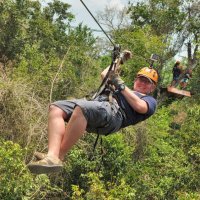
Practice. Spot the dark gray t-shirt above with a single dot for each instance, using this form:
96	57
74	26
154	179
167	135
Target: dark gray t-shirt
132	117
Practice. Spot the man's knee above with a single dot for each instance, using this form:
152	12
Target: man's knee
53	108
56	111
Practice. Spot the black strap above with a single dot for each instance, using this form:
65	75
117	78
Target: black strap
91	157
103	83
95	145
115	55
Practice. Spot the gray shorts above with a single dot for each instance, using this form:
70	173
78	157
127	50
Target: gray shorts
102	117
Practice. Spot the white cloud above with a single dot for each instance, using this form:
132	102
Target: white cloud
82	15
95	5
116	4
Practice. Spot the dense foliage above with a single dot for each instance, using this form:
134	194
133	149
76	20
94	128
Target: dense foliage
43	58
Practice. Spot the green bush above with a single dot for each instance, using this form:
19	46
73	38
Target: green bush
16	181
100	190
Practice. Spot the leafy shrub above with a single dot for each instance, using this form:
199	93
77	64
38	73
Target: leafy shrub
16	181
99	190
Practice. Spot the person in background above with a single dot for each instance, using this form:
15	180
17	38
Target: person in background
69	119
177	71
186	76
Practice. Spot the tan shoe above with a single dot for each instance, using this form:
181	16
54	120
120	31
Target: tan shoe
40	155
45	166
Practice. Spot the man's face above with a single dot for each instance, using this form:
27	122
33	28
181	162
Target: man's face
143	85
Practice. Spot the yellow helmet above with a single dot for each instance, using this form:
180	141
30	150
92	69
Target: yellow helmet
149	73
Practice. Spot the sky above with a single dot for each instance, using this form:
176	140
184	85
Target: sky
82	15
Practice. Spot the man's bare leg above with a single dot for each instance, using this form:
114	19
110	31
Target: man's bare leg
61	139
74	130
56	130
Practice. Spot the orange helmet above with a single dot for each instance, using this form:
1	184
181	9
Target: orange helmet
149	73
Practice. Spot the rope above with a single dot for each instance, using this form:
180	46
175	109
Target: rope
98	23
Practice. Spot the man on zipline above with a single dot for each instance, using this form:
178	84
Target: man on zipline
99	115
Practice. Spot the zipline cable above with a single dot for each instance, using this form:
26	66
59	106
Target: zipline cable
98	23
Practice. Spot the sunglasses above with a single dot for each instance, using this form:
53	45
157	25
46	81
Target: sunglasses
143	80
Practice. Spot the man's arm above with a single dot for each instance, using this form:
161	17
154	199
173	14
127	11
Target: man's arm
139	105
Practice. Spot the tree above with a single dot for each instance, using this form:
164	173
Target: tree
178	21
25	22
35	40
12	22
113	18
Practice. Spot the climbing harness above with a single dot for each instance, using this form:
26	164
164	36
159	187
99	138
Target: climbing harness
106	88
117	58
